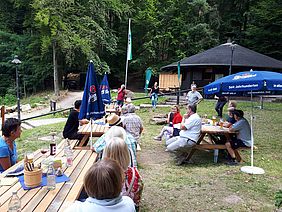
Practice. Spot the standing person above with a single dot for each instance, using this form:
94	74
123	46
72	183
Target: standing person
243	138
11	130
117	150
190	130
103	184
193	96
132	123
221	101
121	95
72	124
154	95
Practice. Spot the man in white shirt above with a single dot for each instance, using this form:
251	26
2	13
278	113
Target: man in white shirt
193	96
190	130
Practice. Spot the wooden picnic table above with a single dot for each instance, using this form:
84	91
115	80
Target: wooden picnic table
209	144
41	199
97	131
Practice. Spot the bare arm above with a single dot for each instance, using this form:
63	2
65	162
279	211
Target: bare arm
83	121
5	163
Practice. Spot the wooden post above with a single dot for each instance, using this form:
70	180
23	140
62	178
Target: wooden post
3	114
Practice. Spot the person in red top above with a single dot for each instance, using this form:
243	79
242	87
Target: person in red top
169	130
121	95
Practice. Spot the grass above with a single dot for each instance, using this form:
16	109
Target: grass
205	186
202	185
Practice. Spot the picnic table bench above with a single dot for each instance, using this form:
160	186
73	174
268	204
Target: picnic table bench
41	199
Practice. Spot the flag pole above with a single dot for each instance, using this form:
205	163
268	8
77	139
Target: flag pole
128	55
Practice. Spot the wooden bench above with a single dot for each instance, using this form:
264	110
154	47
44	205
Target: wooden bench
238	156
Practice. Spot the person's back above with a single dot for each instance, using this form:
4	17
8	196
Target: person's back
103	184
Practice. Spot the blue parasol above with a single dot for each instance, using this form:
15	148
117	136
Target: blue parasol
258	82
105	90
92	106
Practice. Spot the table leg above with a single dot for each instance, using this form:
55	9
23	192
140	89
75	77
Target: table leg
84	139
191	153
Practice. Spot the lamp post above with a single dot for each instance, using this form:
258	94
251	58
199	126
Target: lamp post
17	62
232	45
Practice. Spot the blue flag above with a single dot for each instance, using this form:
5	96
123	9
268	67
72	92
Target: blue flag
105	90
92	105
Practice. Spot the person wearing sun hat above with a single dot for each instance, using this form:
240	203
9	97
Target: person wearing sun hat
193	96
115	121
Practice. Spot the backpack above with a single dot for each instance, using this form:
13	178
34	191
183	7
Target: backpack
133	185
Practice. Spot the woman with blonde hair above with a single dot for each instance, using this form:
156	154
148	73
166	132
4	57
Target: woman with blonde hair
117	149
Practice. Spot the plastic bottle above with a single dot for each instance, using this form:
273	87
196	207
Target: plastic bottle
51	177
15	203
53	146
69	156
67	147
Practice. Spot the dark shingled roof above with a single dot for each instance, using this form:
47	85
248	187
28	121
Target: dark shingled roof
221	56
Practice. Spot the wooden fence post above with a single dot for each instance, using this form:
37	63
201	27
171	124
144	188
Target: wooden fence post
3	114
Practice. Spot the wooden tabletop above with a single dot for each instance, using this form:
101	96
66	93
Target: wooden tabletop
214	129
40	199
97	129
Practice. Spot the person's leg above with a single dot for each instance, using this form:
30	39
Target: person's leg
217	107
164	129
171	140
180	142
220	109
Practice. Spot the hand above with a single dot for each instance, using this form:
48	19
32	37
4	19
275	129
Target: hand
84	121
186	116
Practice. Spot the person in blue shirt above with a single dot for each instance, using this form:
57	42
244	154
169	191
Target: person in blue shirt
11	130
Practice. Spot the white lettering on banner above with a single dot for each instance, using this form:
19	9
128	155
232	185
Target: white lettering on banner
212	89
243	86
244	76
277	85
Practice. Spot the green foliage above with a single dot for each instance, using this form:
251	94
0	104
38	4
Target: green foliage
8	100
163	31
278	199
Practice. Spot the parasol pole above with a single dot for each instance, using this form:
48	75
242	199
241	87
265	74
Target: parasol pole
252	169
91	134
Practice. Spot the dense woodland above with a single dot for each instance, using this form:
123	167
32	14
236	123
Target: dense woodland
61	36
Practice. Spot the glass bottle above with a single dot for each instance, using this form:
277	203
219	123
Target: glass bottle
67	147
15	203
51	177
53	146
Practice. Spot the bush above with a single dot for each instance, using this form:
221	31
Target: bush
278	199
8	100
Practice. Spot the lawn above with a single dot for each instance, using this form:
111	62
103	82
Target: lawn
202	185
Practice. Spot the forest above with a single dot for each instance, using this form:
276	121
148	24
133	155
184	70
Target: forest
55	37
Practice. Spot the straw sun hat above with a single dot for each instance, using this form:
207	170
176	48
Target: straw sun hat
113	120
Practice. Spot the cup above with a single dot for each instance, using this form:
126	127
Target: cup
221	123
213	120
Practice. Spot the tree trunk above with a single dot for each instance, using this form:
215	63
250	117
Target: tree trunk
56	80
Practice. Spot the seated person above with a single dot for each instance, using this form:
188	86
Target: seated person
169	130
132	123
11	130
117	150
243	138
71	127
103	183
232	104
116	130
190	130
72	124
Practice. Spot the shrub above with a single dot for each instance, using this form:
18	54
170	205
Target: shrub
278	199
